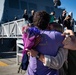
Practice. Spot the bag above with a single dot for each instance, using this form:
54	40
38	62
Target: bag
24	62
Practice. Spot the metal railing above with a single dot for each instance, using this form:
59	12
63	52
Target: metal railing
19	45
12	29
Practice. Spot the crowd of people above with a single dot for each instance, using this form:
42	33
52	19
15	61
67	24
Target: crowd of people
53	54
65	19
27	17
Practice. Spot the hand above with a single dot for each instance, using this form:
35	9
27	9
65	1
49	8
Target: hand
32	53
68	31
67	40
69	43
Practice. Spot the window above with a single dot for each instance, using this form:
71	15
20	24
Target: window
14	4
23	5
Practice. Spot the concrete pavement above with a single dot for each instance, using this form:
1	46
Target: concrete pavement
11	67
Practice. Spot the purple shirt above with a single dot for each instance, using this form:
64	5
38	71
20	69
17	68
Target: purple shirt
49	44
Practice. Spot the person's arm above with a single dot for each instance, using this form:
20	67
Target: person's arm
51	61
69	31
57	61
70	42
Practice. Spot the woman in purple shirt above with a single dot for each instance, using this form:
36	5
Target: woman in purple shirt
49	44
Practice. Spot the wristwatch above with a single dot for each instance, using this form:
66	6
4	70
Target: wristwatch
38	55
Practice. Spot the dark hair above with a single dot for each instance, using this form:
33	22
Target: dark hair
57	26
41	19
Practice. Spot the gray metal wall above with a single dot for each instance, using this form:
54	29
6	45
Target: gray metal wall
16	8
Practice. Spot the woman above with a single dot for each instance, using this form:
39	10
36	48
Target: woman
67	22
49	39
59	59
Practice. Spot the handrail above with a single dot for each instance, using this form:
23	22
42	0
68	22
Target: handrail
12	29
